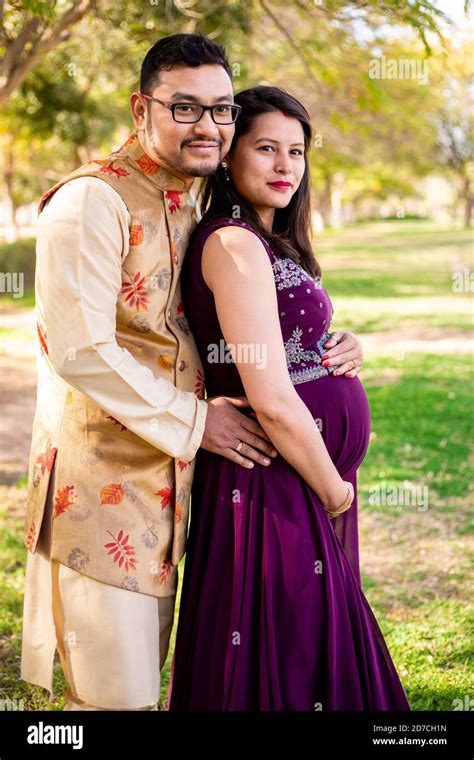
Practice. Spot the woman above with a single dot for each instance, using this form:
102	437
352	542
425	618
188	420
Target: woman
272	615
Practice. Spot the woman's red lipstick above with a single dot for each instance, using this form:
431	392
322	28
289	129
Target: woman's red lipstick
280	185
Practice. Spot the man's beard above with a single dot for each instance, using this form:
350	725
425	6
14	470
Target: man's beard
203	169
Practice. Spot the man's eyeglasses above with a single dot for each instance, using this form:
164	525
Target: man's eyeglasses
189	113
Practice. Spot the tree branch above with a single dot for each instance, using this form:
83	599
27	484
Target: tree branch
292	44
2	11
17	64
183	8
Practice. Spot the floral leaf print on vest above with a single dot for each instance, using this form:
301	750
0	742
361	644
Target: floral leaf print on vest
136	234
30	540
182	323
181	320
80	513
109	168
182	465
176	238
165	571
161	280
136	291
117	422
179	505
166	362
199	384
130	584
174	253
173	199
77	559
91	457
64	499
150	537
44	462
124	553
139	324
149	228
167	495
42	338
147	165
113	493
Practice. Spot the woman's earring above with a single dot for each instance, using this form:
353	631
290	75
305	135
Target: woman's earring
225	166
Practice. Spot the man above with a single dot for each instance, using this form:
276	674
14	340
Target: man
120	410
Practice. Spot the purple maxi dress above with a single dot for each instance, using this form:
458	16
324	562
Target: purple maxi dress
272	614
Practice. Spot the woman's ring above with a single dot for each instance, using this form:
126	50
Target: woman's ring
239	445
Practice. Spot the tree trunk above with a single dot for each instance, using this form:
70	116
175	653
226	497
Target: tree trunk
11	228
325	199
468	198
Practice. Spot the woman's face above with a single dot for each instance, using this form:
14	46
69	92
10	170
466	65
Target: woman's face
268	162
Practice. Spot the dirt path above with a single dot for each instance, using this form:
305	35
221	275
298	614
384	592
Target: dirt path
17	391
418	556
429	340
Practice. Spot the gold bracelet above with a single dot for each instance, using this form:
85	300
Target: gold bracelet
346	504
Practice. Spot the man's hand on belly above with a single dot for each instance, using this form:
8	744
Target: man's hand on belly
231	434
345	349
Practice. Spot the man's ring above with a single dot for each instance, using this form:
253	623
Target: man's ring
239	445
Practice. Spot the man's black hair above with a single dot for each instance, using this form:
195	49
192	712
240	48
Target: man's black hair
180	50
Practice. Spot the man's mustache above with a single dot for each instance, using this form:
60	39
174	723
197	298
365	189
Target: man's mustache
219	143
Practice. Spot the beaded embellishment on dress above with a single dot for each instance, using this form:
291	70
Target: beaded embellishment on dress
296	354
288	274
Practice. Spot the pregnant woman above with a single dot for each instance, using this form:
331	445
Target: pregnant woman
272	614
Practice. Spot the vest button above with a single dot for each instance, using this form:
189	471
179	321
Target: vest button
182	365
169	313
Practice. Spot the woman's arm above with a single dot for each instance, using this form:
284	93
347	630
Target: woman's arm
237	269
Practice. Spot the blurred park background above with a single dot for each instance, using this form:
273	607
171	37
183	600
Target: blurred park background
390	89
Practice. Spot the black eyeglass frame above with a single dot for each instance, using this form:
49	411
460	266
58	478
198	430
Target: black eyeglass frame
172	107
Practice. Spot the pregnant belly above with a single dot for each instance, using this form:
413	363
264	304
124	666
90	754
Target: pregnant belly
341	409
338	404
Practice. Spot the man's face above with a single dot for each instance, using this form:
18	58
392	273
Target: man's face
188	150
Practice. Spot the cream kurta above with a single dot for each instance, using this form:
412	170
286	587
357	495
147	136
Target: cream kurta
113	437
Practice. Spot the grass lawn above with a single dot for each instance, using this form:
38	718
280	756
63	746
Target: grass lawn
417	548
397	276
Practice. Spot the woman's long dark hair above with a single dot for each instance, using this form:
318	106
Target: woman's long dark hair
290	235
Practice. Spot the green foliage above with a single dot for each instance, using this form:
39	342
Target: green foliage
19	257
